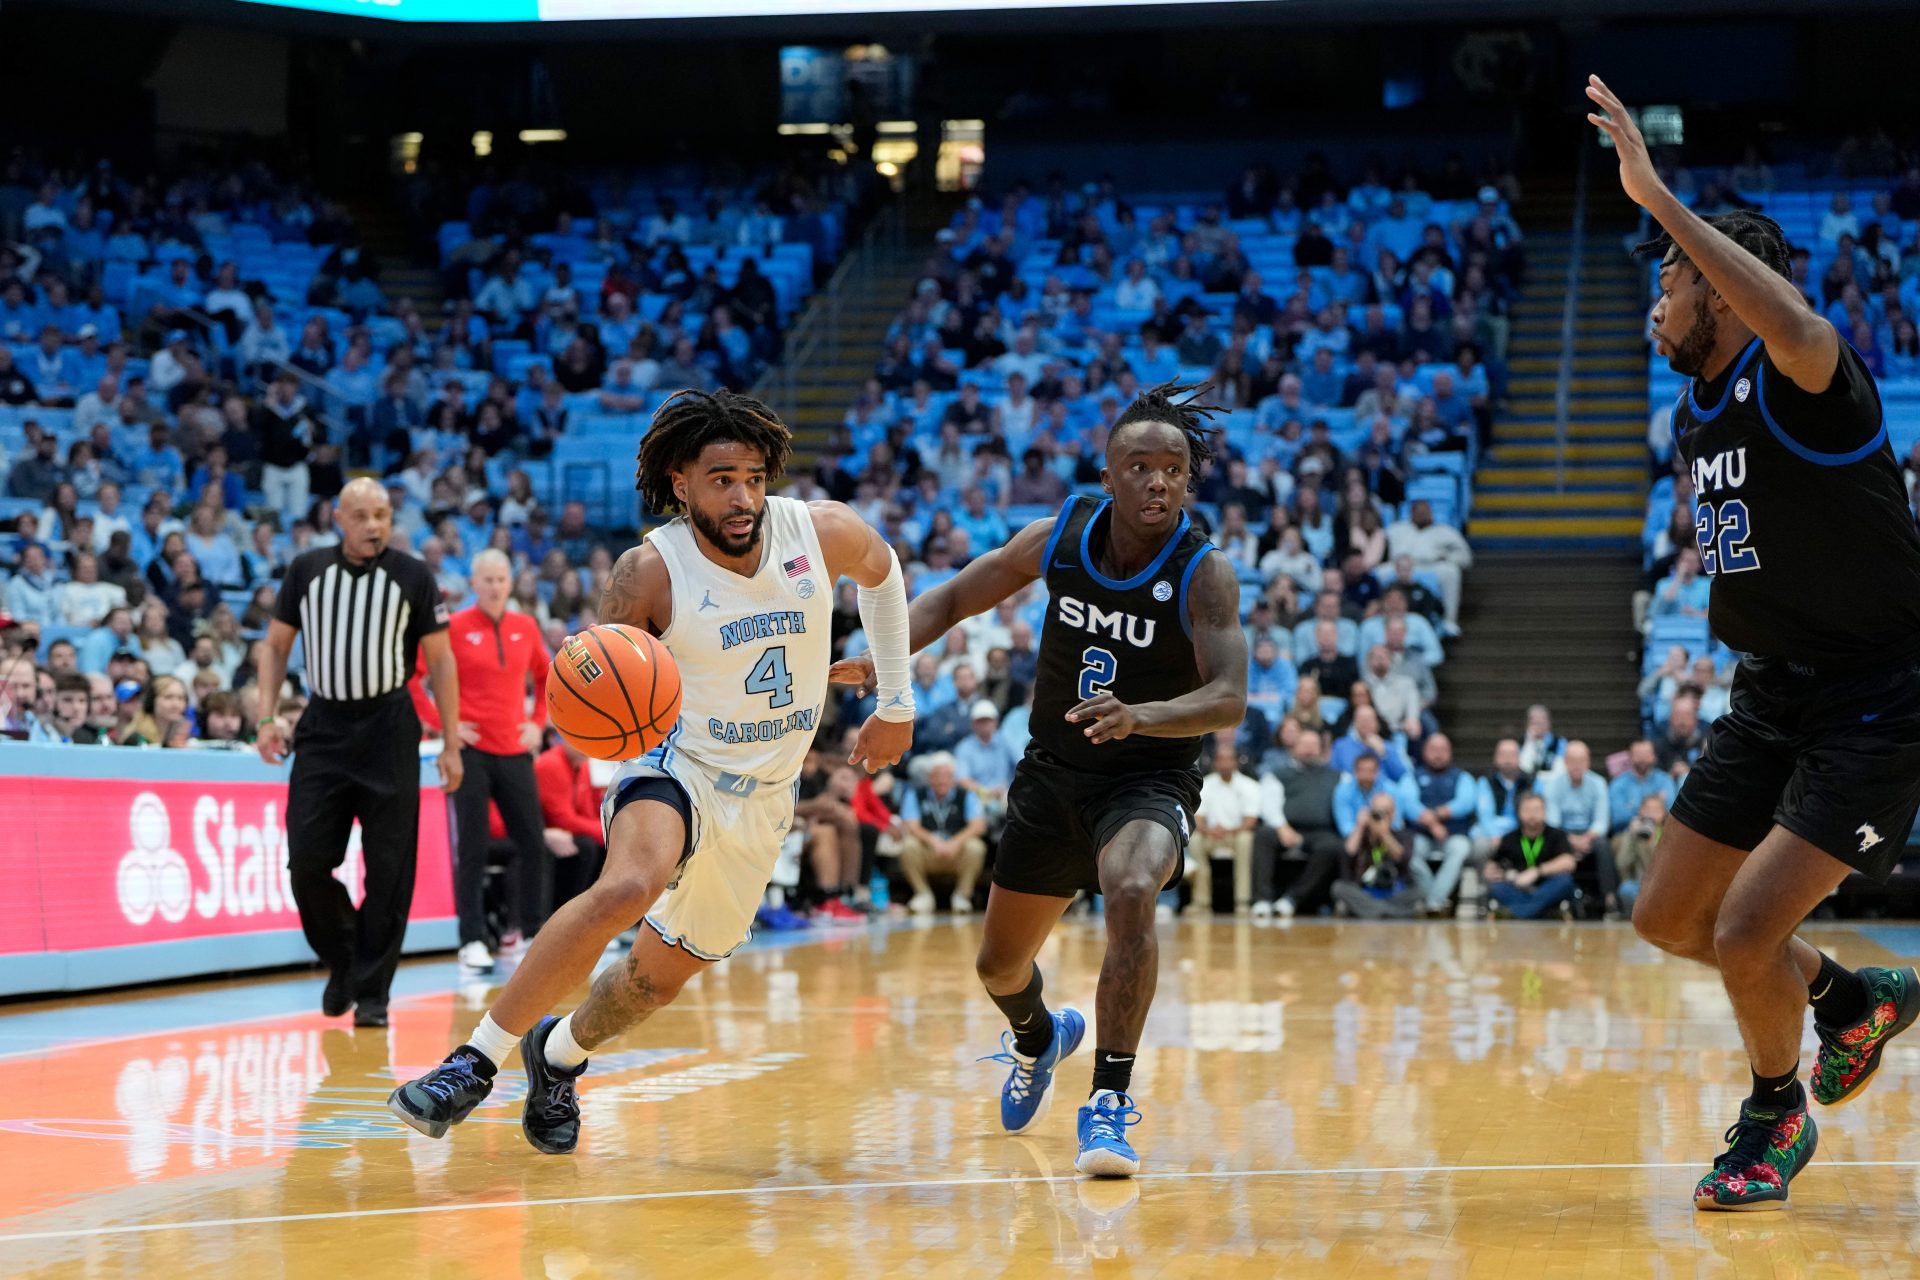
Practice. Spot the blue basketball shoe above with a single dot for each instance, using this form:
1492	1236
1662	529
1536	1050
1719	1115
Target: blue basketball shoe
1028	1092
1104	1149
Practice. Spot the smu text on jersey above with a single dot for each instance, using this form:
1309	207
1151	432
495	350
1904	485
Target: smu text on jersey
1118	625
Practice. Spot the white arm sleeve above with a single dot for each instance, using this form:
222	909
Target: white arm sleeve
883	616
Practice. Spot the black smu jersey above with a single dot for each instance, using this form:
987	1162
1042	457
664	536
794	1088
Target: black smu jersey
1801	516
1130	638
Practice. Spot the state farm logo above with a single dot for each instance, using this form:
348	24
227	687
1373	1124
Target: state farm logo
238	868
153	876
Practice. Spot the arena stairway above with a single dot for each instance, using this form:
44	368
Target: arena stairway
869	302
1545	616
403	272
1552	627
1518	501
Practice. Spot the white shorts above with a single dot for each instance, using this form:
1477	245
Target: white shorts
735	825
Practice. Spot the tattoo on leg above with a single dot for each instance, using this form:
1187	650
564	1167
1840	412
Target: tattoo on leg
622	997
1128	977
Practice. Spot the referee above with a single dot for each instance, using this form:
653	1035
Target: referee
367	611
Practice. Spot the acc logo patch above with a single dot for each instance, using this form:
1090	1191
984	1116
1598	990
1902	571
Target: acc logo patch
585	665
1742	389
1163	591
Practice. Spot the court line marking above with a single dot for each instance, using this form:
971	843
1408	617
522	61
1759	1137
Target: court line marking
635	1197
107	1005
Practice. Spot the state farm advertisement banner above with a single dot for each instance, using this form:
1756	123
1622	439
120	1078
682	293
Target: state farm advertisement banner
114	862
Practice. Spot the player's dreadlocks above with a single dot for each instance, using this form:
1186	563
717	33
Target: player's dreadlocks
1190	416
690	421
1758	234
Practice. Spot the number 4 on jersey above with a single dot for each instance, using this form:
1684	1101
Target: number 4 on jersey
770	676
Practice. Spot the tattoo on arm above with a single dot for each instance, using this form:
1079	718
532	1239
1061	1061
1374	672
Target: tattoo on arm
624	600
623	996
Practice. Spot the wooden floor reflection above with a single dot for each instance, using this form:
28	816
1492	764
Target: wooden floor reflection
1421	1100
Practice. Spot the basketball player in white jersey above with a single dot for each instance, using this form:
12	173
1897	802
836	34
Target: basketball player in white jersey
739	587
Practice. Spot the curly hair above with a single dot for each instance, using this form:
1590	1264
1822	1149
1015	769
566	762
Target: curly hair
1758	234
690	421
1189	416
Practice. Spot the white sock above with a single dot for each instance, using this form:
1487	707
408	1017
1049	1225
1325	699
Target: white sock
563	1051
489	1039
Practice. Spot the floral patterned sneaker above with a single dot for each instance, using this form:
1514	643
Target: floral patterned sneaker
1850	1055
1770	1145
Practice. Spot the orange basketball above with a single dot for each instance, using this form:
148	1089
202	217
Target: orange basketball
613	692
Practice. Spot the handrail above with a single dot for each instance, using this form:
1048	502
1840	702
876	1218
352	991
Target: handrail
1563	391
819	328
335	428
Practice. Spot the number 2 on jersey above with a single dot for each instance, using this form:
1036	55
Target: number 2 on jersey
1096	677
1722	534
770	676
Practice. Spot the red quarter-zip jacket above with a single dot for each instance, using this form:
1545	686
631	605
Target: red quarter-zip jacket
495	660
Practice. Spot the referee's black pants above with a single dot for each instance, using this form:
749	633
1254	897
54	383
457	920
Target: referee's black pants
507	781
352	762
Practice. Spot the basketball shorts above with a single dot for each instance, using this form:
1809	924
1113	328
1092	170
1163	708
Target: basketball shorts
1833	758
735	825
1060	818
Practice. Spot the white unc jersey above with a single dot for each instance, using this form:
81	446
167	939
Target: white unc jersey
753	652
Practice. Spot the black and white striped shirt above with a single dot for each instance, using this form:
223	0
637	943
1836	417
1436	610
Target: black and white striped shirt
362	623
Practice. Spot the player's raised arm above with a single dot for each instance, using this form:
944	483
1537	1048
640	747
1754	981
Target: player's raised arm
988	579
1802	344
1219	651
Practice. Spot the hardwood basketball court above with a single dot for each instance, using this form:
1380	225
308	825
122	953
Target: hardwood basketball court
1320	1099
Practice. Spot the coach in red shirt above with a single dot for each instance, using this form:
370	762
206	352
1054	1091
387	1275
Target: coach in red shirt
501	658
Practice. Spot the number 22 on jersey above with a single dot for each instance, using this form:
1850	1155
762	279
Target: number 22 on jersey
1723	532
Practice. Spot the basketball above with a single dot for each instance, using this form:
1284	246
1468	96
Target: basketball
613	692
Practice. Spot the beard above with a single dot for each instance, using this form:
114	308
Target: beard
723	542
1695	348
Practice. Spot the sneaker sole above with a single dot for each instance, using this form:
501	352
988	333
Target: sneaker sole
1873	1066
420	1124
1106	1164
1751	1206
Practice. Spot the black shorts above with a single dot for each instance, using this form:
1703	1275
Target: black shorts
1833	758
1060	818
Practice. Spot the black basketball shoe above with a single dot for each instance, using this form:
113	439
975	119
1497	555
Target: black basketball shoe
551	1115
445	1095
337	998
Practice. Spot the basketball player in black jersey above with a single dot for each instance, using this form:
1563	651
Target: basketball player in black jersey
1140	656
1814	771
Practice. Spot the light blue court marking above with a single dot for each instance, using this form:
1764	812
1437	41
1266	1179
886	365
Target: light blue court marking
1901	939
204	1007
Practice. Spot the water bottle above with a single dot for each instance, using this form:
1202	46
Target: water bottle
877	889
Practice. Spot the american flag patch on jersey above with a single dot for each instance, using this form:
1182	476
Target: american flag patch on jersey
797	567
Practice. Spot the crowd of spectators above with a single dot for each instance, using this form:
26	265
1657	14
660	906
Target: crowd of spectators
151	523
192	363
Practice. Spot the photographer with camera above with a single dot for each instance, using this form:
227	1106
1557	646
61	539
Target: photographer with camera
1531	871
1367	809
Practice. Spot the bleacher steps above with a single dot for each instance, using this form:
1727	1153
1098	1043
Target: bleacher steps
1550	627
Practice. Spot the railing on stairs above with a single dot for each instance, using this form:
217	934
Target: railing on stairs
817	336
1569	312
